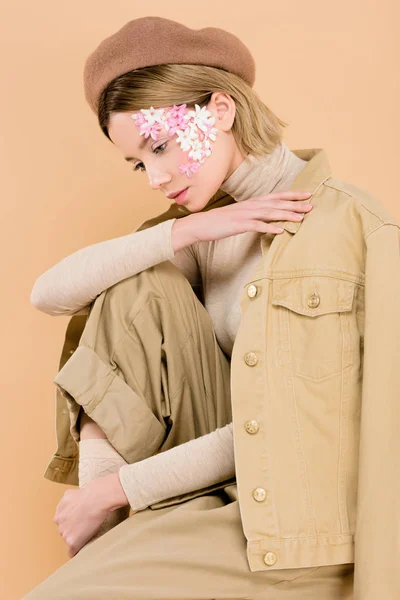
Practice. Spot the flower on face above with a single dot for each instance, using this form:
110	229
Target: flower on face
186	138
154	115
211	134
152	130
149	122
196	153
194	130
207	148
138	118
177	119
201	117
189	168
177	112
173	126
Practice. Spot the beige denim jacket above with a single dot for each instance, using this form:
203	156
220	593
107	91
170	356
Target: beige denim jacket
315	389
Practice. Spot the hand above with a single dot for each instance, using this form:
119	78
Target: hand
81	512
253	214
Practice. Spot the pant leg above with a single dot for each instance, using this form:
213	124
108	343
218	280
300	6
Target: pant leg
192	551
148	369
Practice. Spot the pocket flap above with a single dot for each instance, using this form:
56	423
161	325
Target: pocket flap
313	296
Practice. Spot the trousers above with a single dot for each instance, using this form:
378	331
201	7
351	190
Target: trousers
152	340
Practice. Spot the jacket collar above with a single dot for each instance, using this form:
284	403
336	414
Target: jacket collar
314	174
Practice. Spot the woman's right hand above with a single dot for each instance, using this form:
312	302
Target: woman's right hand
255	214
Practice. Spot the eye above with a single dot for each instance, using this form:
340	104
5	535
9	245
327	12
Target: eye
140	166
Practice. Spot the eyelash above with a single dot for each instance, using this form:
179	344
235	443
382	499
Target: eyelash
137	167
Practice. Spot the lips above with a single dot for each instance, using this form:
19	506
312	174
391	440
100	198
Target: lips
181	198
172	196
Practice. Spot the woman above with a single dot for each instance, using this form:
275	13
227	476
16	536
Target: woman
146	316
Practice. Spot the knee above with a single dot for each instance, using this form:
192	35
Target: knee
163	280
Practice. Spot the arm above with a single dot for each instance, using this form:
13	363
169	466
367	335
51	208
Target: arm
377	535
70	286
97	458
191	466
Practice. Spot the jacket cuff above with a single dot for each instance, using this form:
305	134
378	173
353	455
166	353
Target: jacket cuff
126	419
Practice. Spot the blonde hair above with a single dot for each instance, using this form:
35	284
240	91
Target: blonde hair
256	129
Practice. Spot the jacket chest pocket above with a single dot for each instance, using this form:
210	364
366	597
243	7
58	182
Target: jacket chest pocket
312	320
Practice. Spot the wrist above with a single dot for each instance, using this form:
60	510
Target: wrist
183	233
111	491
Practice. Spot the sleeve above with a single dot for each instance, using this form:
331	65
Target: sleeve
70	286
377	535
191	466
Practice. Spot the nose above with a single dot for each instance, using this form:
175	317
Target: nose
157	179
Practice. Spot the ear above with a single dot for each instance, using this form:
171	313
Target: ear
223	107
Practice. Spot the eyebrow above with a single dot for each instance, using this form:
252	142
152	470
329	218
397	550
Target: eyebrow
141	145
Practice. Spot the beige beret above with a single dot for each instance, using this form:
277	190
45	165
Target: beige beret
150	41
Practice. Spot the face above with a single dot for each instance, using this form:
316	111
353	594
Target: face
181	147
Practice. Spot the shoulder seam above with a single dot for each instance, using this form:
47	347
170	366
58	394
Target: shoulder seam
382	225
363	205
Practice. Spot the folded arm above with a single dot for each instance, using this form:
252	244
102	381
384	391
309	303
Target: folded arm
71	285
191	466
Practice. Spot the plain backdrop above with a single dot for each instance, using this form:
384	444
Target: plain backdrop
329	69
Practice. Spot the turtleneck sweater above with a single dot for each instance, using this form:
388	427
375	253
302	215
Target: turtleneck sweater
222	267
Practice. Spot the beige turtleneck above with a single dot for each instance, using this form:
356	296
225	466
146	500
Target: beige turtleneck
222	266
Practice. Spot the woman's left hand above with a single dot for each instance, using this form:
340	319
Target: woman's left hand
81	512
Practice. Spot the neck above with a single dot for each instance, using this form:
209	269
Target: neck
261	175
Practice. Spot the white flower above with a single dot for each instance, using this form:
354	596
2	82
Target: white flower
202	117
197	150
212	134
154	115
186	138
207	149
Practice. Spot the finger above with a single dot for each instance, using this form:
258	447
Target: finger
295	206
290	195
281	215
71	551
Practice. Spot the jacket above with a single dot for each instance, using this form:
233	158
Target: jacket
314	386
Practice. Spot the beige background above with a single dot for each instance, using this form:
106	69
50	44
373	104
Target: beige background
330	69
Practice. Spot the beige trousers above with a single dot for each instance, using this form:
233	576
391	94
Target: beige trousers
155	332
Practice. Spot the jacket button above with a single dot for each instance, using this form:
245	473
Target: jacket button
71	351
313	301
251	359
259	494
252	291
270	558
251	426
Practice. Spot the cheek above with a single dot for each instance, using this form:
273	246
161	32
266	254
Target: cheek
177	155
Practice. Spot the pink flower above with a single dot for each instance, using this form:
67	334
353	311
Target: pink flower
189	168
146	129
177	119
177	112
139	119
175	126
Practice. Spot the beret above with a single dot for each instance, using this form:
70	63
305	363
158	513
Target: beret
150	41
